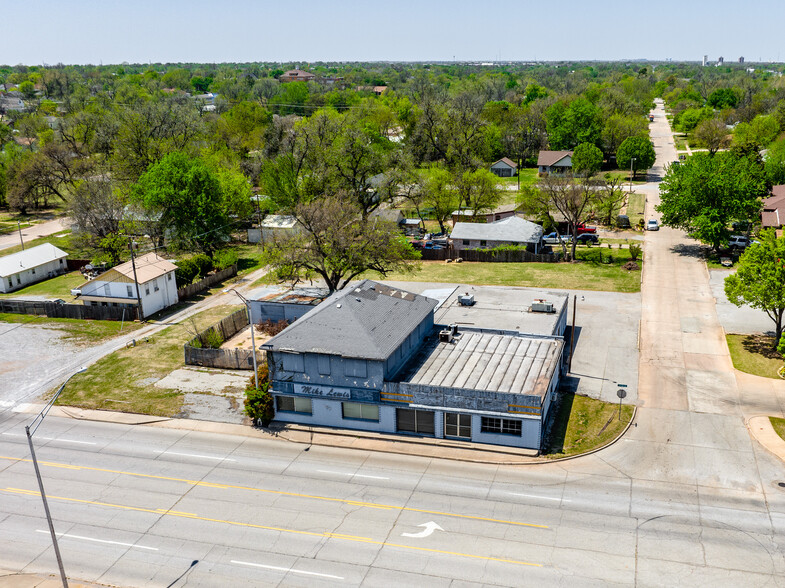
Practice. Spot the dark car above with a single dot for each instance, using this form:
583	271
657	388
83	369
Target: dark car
588	238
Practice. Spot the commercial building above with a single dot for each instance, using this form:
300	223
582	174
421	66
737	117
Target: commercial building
371	357
32	265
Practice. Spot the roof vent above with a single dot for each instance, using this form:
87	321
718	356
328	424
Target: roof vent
357	299
445	336
466	299
339	305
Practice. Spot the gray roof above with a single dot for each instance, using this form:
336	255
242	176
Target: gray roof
489	362
365	321
514	229
29	258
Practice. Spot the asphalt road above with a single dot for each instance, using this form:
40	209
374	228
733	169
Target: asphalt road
34	232
137	506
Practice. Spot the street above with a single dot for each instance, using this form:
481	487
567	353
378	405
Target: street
685	498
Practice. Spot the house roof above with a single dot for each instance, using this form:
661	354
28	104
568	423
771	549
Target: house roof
506	161
279	221
148	267
514	229
29	258
388	214
773	214
298	73
552	157
365	321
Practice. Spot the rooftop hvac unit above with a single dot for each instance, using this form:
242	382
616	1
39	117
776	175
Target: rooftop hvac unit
466	299
542	306
445	336
454	328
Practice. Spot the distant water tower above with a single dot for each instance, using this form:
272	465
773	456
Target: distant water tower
741	59
720	61
705	60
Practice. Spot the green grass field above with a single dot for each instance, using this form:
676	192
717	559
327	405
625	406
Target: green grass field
57	287
779	426
754	354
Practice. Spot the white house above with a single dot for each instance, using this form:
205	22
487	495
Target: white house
550	162
31	265
116	286
509	231
505	168
274	227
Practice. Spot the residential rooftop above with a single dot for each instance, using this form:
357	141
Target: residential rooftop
29	258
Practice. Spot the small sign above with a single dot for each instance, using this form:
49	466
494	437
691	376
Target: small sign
621	393
324	391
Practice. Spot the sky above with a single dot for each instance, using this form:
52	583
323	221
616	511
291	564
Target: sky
37	32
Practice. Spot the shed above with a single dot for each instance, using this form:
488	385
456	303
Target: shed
505	168
32	265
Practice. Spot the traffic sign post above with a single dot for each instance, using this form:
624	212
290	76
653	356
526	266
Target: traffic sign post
621	393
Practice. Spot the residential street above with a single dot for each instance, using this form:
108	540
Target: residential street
34	232
685	498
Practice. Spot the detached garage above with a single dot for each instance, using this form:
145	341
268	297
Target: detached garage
30	266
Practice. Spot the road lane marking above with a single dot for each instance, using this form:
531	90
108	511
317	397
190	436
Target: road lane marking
193	455
284	493
351	475
325	534
99	540
537	496
52	439
287	570
430	527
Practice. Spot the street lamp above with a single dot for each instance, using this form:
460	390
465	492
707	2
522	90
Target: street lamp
253	341
632	160
36	422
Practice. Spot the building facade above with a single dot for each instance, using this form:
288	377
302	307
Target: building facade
32	265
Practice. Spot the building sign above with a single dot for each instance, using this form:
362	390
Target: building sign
323	391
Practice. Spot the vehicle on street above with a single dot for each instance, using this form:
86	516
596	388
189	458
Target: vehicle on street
652	225
588	238
553	239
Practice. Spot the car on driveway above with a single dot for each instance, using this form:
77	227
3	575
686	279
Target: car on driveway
553	239
652	225
588	238
740	242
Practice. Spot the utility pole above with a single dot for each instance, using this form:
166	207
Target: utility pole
19	226
136	281
253	340
632	160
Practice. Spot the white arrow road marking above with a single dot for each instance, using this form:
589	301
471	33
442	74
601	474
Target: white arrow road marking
193	455
430	527
52	439
352	475
540	497
99	540
287	570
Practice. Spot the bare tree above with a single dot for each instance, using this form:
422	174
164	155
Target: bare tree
96	209
571	198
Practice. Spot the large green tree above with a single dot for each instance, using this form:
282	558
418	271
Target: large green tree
573	123
706	194
759	280
192	200
586	159
636	153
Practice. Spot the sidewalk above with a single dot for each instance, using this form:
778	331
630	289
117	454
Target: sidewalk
323	436
16	580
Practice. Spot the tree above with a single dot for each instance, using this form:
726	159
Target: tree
478	190
571	198
610	196
191	200
723	98
337	243
774	163
619	127
759	280
705	194
712	134
586	159
96	209
637	153
438	194
570	124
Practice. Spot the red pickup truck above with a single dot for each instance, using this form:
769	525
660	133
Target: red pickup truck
582	228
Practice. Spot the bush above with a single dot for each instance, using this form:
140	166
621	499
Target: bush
211	339
185	273
259	405
268	327
203	263
224	259
635	252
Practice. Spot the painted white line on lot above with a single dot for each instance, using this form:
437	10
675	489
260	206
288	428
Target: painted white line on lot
540	497
194	455
287	570
52	439
352	475
99	540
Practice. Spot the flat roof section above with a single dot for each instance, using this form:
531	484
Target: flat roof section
503	308
511	364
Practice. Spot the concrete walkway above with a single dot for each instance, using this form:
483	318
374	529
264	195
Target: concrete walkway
14	580
760	428
34	232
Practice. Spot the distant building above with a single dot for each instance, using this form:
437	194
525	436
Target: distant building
296	75
705	60
720	61
509	231
32	265
505	168
773	215
498	213
117	286
741	59
554	162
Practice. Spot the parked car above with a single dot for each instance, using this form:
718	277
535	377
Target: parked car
588	238
553	239
652	225
623	221
582	228
739	242
433	245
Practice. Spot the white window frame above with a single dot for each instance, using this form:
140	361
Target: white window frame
299	404
360	411
501	426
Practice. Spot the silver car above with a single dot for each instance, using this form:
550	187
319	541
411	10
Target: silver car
652	225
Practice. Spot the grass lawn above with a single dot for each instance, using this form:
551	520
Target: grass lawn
582	424
754	354
124	379
625	176
249	257
57	287
79	331
528	175
63	240
636	208
779	426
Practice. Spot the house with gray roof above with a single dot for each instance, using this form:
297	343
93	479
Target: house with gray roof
512	230
371	358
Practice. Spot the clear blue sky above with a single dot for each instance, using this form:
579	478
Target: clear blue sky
112	31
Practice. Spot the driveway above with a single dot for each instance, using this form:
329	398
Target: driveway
34	232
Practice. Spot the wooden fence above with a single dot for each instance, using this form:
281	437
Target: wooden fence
203	284
232	359
73	311
489	255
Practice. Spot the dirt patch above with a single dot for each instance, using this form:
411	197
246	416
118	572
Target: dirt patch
201	381
242	340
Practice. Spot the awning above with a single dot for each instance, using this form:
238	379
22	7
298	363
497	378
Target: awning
109	299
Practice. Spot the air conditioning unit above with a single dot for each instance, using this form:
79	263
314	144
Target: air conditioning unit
542	306
466	300
445	336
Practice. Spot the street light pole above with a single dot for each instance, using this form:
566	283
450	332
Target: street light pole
632	160
35	424
253	341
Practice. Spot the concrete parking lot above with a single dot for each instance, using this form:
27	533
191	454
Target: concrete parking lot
743	320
